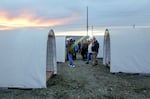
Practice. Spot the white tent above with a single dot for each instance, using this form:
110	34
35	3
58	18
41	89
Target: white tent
25	57
60	48
127	50
100	39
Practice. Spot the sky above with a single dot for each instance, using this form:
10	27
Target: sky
70	16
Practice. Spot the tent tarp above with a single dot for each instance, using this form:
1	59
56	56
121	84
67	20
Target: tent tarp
130	50
23	55
60	48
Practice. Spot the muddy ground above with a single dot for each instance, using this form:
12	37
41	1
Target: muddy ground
86	82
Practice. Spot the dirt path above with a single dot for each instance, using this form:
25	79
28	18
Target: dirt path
86	82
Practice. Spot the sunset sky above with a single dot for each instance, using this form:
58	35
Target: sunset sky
69	16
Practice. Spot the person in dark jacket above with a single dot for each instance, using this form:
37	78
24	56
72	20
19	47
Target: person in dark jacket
84	49
95	48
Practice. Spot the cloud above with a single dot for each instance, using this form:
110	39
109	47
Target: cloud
25	19
61	13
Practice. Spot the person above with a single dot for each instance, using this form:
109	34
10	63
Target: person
67	44
70	51
75	49
89	50
95	48
84	49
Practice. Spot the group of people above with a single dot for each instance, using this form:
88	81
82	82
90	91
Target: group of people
87	48
93	49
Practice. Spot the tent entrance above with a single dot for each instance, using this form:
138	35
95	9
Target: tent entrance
50	64
106	49
51	56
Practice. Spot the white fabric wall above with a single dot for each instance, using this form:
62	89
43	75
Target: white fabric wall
130	50
60	48
100	39
23	58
